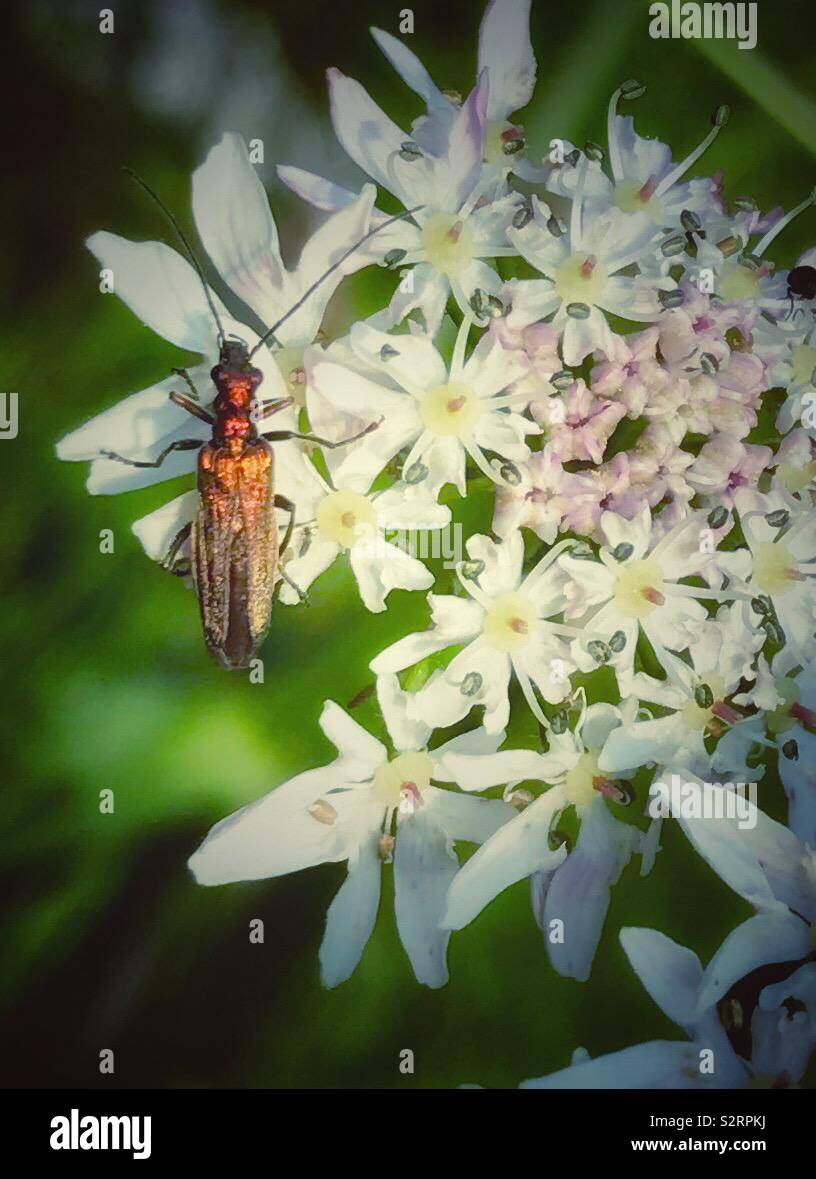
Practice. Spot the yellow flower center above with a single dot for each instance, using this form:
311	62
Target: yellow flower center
409	772
738	282
695	717
579	784
447	241
494	152
639	589
631	197
804	364
796	478
774	568
580	278
451	410
509	622
779	720
290	363
345	517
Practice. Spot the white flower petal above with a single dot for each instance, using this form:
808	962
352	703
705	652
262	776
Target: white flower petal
474	772
505	51
580	890
759	858
158	530
371	139
306	568
274	835
416	365
235	224
361	753
139	423
406	732
658	1064
474	820
455	620
759	941
379	567
352	914
519	848
424	866
161	288
671	973
441	701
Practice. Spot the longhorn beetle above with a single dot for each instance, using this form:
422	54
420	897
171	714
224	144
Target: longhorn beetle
234	546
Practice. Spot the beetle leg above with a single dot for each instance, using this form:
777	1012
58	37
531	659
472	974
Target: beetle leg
286	505
169	561
304	597
265	409
285	435
188	380
180	444
198	411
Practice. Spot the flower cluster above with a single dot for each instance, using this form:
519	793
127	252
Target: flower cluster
601	339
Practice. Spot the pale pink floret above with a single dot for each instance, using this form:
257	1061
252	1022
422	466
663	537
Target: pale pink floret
591	493
638	380
658	466
580	424
537	501
724	464
537	344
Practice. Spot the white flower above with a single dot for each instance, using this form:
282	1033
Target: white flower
644	178
782	561
789	347
637	586
569	891
346	516
583	265
787	693
699	695
443	415
505	53
461	211
743	276
503	627
345	811
768	1047
164	291
454	164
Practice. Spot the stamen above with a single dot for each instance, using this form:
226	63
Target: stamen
719	118
646	191
806	715
529	695
458	358
577	206
726	712
629	89
773	232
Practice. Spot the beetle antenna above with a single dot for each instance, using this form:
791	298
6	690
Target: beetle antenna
326	274
187	247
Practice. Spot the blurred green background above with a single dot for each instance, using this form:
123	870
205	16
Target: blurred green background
107	943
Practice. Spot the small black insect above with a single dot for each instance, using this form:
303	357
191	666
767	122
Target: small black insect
801	285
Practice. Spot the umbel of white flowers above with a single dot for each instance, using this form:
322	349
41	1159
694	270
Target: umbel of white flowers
641	592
